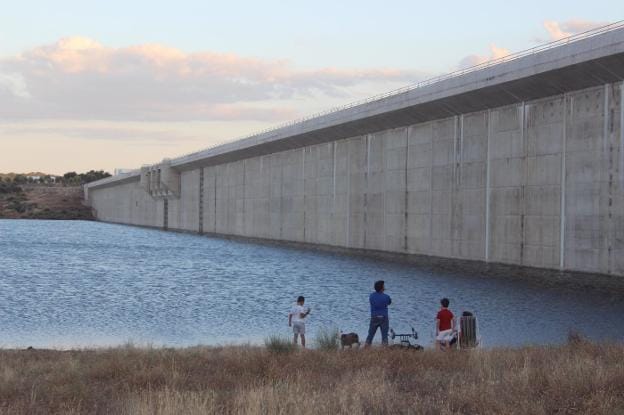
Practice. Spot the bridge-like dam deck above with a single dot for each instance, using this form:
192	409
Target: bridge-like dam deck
567	65
517	161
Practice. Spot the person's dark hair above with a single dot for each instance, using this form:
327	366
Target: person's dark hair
300	299
445	302
379	285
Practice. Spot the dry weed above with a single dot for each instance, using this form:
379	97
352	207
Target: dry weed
579	377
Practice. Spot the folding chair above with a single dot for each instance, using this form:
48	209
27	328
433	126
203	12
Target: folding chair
468	332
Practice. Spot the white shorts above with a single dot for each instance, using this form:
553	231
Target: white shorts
445	335
298	327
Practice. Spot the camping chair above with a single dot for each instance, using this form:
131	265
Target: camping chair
468	332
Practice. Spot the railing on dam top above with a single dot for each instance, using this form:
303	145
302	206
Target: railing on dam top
421	84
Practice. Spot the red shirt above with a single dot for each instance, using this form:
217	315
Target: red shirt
445	316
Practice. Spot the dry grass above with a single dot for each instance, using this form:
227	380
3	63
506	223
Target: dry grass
579	377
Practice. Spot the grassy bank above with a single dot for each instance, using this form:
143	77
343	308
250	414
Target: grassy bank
575	378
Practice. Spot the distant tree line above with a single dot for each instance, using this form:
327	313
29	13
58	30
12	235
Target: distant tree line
73	178
68	179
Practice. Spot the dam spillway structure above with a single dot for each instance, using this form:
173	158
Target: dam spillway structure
517	161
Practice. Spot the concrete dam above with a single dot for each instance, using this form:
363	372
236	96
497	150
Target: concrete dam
519	161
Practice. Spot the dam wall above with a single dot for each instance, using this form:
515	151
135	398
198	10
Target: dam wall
537	180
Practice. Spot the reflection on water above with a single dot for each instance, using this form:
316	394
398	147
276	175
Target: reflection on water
72	283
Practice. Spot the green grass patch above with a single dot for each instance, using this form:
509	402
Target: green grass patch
279	344
328	339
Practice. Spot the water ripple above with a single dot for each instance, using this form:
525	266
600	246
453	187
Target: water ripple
67	284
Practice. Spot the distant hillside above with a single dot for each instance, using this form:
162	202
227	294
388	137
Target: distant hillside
70	178
12	175
42	202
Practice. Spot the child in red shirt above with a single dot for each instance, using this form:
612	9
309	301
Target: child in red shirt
445	326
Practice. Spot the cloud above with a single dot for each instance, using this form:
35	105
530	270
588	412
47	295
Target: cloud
559	30
496	52
80	78
556	31
111	132
14	85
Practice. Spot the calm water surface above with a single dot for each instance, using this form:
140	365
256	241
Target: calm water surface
68	284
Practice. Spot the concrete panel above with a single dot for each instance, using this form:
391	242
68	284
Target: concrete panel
474	137
274	165
507	164
174	213
395	189
210	199
127	203
189	201
420	174
616	185
544	131
357	197
324	197
221	199
292	196
587	196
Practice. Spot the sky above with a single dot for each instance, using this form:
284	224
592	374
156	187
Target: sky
118	84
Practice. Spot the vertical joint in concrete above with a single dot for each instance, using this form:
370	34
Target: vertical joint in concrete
525	158
609	155
430	162
605	121
215	201
622	136
461	147
244	198
406	194
366	176
201	201
333	211
455	139
165	213
281	204
562	211
487	187
303	180
348	219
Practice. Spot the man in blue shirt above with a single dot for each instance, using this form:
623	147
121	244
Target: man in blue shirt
379	303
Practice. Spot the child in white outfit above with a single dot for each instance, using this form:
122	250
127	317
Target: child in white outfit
296	320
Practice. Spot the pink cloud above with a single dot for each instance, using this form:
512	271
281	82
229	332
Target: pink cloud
496	52
559	30
80	78
556	31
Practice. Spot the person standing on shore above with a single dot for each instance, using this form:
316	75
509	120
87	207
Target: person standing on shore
379	302
296	320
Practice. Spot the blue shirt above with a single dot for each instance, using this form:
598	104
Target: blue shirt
379	304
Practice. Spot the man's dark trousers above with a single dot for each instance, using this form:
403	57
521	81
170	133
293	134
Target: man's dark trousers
381	322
